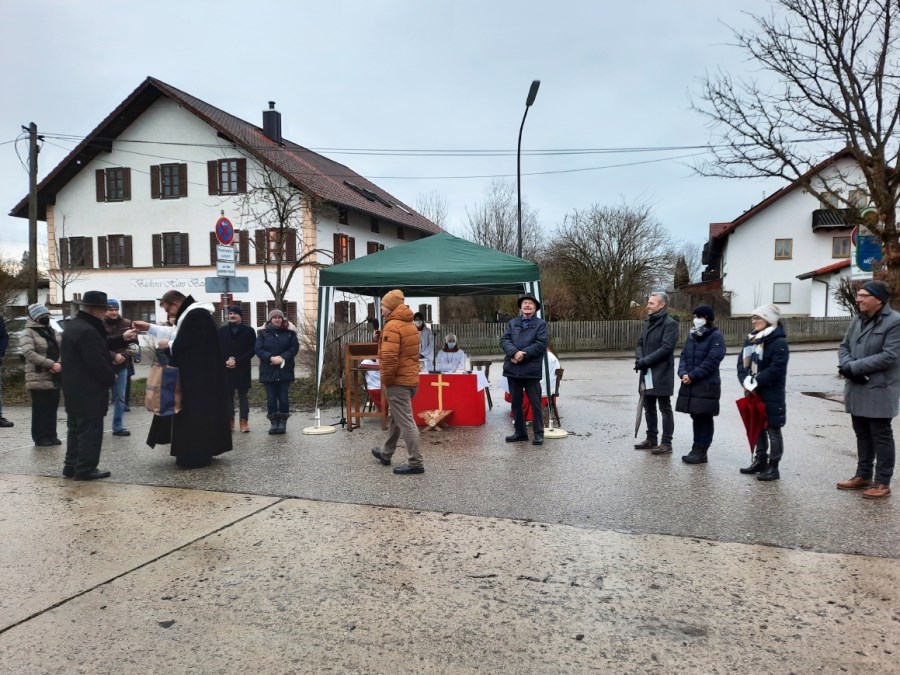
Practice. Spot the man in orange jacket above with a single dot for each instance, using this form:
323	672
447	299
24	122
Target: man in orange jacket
398	354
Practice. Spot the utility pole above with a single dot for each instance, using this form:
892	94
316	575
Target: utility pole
32	212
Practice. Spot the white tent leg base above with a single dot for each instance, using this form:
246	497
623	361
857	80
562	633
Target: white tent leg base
318	431
555	433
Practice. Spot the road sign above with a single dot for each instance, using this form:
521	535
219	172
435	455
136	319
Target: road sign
224	231
225	253
224	269
234	284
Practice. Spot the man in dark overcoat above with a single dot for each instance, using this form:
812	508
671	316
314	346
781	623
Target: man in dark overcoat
869	360
525	345
238	344
655	354
200	430
85	356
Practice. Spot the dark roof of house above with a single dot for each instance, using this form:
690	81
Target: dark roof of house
718	232
325	179
828	269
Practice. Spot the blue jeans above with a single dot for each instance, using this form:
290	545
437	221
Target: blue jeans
277	397
118	396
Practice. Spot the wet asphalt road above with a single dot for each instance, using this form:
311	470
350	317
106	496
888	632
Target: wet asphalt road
591	479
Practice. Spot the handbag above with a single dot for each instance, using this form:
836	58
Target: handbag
163	393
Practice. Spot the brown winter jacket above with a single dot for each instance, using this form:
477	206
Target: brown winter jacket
398	350
37	365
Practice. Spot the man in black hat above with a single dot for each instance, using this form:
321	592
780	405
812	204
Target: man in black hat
238	346
525	344
869	361
85	355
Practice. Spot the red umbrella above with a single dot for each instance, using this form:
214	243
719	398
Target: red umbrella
753	412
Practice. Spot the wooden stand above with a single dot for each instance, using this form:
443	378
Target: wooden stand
354	353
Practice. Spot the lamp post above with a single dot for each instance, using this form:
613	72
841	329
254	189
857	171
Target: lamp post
532	93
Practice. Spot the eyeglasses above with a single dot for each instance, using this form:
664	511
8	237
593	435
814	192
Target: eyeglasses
863	295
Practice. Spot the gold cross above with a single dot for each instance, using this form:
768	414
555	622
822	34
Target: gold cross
440	383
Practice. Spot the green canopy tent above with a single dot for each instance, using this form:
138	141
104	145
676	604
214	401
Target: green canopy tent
440	265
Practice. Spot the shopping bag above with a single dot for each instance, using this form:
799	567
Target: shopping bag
163	394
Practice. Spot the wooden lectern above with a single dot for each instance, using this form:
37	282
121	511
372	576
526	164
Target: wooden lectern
354	353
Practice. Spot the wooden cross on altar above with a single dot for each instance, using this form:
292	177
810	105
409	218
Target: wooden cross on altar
433	418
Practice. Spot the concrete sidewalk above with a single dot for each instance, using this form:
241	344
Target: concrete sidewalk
301	553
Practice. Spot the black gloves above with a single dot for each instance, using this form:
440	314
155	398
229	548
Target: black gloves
846	373
639	365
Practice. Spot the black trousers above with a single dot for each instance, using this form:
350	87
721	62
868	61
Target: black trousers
771	437
44	406
83	440
668	419
532	389
874	444
243	402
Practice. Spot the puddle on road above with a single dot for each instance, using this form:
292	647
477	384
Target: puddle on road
837	398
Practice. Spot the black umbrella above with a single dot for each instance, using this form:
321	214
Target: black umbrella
640	408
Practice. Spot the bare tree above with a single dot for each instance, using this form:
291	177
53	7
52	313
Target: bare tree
692	253
494	222
836	78
11	281
278	211
433	206
845	294
63	269
609	257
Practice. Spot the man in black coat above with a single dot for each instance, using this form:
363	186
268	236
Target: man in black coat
85	356
238	346
525	345
656	353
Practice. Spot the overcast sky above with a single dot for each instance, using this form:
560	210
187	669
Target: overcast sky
402	75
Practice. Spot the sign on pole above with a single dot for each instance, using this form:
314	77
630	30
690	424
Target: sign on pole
224	269
227	284
224	253
224	231
865	251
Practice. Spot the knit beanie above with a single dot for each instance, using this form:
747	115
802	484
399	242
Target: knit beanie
393	299
236	309
276	312
877	289
112	303
771	313
705	312
37	310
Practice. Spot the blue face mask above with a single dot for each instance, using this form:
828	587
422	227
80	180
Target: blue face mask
451	344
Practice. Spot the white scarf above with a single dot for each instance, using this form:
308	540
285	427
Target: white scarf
753	353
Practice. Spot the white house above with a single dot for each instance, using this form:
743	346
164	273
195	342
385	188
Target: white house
790	249
133	209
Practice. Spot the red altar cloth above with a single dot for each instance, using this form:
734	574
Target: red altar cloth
459	392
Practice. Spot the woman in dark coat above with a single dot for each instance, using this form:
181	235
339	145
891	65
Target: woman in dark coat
701	386
762	369
200	430
276	347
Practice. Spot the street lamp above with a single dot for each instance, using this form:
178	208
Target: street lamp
532	94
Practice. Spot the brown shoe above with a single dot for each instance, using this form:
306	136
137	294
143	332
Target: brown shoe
855	483
646	444
877	491
245	427
231	424
662	449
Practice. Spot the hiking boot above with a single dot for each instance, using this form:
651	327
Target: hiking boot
697	455
646	444
759	464
245	427
662	449
877	491
855	483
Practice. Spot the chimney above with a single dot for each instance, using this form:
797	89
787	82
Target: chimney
272	123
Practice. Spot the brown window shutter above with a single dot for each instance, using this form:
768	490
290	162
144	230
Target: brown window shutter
101	184
182	180
290	245
261	244
336	249
351	248
157	250
63	261
154	181
212	176
245	309
89	252
129	257
242	174
126	183
185	251
213	242
102	252
243	248
261	313
292	313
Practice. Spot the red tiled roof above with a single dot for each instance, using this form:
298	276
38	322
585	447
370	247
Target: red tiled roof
775	196
715	229
826	270
308	170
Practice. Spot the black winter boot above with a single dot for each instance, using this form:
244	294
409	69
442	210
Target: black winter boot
273	429
697	455
759	464
771	473
282	422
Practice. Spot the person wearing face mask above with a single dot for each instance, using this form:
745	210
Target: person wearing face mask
238	347
40	347
276	347
451	358
116	326
701	386
426	342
